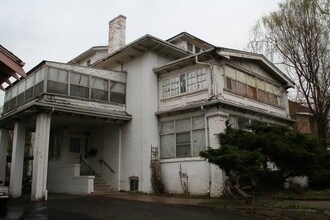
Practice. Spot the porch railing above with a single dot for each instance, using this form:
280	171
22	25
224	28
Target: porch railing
81	161
107	165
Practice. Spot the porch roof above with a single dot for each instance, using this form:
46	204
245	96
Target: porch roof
30	109
10	66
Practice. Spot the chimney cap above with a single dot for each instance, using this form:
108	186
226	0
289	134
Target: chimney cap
119	16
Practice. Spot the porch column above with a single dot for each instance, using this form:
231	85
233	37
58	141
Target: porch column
40	161
4	136
17	159
217	124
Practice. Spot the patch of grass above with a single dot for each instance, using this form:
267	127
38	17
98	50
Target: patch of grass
300	194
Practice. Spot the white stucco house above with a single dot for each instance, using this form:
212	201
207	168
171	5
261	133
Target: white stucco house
97	116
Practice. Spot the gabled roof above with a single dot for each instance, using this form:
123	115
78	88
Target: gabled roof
140	46
10	66
192	39
87	54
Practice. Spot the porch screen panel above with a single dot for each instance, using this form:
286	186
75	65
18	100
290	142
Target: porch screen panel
57	81
99	89
79	85
29	88
13	98
21	89
117	92
39	81
6	103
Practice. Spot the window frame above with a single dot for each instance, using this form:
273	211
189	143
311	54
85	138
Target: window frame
175	132
181	83
260	91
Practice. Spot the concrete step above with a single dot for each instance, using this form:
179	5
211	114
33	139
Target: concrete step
101	186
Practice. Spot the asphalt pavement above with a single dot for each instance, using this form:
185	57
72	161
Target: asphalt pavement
63	207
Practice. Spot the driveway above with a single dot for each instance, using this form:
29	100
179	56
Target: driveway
70	207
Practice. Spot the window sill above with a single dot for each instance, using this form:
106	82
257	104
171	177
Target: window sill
186	159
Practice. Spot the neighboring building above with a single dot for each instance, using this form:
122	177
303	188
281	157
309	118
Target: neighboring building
304	120
102	117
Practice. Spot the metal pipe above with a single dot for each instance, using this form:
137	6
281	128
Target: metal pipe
211	69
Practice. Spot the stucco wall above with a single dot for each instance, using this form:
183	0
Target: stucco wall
196	169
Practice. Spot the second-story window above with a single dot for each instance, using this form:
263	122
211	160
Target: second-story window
252	87
186	82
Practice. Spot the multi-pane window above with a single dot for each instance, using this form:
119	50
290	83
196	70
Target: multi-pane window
75	144
182	138
252	87
186	82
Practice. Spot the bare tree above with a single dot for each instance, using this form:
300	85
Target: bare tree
298	34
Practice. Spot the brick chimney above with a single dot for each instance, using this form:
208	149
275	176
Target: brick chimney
117	33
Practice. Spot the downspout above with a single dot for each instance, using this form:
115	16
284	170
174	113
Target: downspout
211	79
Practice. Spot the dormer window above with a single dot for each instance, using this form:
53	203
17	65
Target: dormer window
193	48
189	47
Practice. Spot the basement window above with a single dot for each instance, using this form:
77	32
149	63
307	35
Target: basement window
134	183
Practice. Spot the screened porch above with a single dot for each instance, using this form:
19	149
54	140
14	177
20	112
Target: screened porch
68	81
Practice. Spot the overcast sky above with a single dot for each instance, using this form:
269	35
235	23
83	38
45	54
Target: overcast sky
59	30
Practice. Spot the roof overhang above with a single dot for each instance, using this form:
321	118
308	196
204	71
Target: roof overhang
36	106
139	47
10	66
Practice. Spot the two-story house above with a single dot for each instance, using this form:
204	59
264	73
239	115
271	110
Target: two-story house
98	116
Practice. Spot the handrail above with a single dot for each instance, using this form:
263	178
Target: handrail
102	161
81	160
